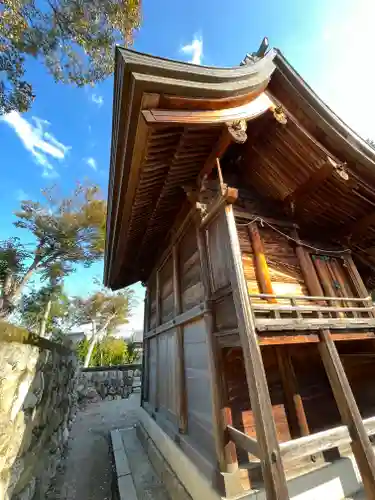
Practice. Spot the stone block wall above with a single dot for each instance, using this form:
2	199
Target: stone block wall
111	382
37	407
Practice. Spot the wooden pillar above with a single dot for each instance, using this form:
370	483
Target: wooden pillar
272	467
324	275
293	402
181	386
261	266
145	357
225	450
158	322
356	279
308	271
349	412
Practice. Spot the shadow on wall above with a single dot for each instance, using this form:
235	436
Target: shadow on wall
37	407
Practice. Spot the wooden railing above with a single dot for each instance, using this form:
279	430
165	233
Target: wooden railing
304	446
339	314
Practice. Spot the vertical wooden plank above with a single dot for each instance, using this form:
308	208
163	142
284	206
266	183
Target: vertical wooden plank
356	278
295	411
272	467
325	279
308	271
181	385
261	266
349	412
157	340
145	361
158	298
225	451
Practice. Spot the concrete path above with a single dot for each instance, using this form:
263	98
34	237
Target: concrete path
87	471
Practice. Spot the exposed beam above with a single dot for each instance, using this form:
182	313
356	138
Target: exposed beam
321	441
247	111
245	442
349	412
312	183
232	132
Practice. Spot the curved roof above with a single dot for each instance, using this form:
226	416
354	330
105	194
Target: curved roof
169	123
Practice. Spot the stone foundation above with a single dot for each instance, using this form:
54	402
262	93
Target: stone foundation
37	408
107	383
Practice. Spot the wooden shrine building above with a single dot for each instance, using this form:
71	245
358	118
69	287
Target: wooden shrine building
247	207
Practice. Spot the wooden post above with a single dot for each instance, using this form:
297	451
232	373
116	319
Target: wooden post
225	451
356	278
293	402
349	412
323	273
158	322
261	267
308	271
272	467
145	360
182	408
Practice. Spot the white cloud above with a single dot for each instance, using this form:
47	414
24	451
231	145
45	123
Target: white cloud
21	195
194	49
91	162
42	145
97	99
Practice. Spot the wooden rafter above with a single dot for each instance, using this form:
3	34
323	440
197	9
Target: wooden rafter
312	183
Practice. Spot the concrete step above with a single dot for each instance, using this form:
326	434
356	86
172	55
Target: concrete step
135	476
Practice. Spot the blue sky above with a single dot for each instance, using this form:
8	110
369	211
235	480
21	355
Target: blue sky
66	136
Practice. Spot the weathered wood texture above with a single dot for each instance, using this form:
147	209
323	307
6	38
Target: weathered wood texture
166	291
167	375
198	388
349	412
272	469
285	274
192	292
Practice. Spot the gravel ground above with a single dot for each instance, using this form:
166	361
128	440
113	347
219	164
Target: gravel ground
86	472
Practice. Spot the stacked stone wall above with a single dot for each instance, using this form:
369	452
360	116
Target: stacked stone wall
38	401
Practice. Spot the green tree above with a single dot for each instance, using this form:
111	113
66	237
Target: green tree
67	232
104	311
43	310
73	39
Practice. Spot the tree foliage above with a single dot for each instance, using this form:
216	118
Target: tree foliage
104	310
74	39
107	309
108	352
67	231
34	305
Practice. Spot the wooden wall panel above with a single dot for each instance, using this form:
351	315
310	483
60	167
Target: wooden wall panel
192	292
317	398
152	319
285	273
166	290
225	314
238	395
167	381
152	396
199	402
217	246
358	358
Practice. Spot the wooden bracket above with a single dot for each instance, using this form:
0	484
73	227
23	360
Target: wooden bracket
237	131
